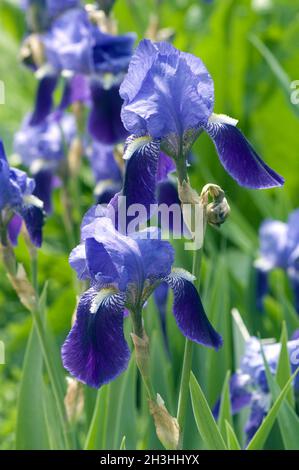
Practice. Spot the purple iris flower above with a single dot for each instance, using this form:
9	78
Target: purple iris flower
249	387
279	248
77	47
123	272
75	44
41	148
169	97
17	202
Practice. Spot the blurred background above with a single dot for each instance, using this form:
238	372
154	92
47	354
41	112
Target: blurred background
251	49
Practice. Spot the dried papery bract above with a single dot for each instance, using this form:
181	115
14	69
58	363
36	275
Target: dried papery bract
74	399
218	210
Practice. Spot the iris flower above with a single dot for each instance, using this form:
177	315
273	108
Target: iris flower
249	387
169	99
73	46
17	203
123	272
279	248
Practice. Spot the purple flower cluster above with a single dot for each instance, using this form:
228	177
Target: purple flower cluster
249	386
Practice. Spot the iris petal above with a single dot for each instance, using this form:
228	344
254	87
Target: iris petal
44	99
189	312
239	158
95	351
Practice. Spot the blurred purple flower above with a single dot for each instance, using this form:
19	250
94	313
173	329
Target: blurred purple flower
249	387
17	202
279	248
39	13
169	96
75	44
123	272
41	147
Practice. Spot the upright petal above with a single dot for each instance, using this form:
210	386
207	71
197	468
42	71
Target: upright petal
95	351
99	263
166	93
189	312
157	255
239	158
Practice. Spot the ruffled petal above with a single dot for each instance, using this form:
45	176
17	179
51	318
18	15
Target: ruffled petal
95	351
189	312
239	158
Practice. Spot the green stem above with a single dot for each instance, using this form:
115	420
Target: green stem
187	362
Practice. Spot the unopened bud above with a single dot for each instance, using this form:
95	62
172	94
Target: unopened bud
74	399
23	288
218	210
101	18
167	427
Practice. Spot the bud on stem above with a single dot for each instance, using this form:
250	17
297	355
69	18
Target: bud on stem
167	428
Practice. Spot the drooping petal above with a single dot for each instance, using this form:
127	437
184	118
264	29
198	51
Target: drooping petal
45	182
104	122
44	99
139	184
95	351
34	219
189	312
14	228
112	53
239	158
240	394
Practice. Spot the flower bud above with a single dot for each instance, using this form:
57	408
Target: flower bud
74	400
167	427
218	210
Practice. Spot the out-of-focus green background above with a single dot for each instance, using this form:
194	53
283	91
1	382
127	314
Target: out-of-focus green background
251	48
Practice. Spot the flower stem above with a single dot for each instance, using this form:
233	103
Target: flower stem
187	362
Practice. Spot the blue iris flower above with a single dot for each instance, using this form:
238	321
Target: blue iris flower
75	47
279	248
17	202
249	387
169	99
123	272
